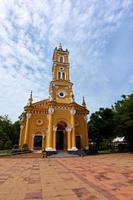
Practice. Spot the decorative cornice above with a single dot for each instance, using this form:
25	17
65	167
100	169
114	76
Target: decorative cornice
42	108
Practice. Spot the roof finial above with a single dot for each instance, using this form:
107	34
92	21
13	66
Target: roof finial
30	99
84	104
60	46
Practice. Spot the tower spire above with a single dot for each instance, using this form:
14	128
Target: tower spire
30	99
83	103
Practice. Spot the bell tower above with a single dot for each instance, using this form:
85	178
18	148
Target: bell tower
60	89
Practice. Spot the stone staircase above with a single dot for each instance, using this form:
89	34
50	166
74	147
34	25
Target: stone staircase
39	154
63	154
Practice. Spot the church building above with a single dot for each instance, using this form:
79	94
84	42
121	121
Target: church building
56	123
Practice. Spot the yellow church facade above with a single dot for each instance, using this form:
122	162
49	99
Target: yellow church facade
56	123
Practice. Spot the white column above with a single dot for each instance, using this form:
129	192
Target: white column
33	135
43	137
50	130
86	133
27	127
69	138
54	137
73	112
20	138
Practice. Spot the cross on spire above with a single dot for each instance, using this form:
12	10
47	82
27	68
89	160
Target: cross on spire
60	46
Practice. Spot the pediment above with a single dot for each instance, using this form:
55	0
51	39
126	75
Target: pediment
41	104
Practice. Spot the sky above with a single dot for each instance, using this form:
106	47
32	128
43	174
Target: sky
97	33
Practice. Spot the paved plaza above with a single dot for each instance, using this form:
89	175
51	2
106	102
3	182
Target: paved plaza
87	178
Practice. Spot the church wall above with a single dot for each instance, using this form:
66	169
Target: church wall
60	115
22	131
80	128
38	124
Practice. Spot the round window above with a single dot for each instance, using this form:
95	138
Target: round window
39	122
61	68
61	94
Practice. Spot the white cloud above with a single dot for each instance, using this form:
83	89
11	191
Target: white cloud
30	30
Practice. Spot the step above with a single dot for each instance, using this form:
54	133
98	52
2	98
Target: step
62	154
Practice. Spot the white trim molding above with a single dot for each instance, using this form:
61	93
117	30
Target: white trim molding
54	128
68	129
21	127
73	111
74	149
85	118
28	115
50	149
50	110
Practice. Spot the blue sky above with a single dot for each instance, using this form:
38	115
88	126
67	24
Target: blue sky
98	35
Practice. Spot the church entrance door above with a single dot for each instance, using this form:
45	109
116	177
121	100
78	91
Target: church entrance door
59	140
78	141
61	136
38	142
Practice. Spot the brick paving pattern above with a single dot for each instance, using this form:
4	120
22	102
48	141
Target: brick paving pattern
103	177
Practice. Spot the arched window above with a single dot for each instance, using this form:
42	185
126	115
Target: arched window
59	75
61	59
63	75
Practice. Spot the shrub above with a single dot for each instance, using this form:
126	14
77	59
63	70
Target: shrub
1	144
16	146
8	144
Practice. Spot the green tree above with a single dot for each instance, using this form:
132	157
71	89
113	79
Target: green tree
9	132
101	125
5	130
16	132
124	118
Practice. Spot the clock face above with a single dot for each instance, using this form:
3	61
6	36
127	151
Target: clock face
61	94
